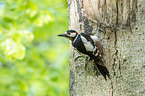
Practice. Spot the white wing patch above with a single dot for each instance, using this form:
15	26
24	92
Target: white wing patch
87	44
95	38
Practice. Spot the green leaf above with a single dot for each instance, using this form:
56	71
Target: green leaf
26	34
31	9
2	36
43	19
12	49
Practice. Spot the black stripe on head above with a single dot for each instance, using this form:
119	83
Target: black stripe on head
71	31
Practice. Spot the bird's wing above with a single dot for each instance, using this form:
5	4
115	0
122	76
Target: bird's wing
88	42
97	43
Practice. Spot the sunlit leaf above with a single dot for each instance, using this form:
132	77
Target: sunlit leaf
31	9
26	34
31	12
43	19
13	50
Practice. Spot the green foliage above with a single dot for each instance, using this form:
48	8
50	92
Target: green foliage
33	60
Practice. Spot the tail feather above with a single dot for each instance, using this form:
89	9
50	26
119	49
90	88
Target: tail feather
103	70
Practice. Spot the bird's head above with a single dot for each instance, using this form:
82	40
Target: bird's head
70	34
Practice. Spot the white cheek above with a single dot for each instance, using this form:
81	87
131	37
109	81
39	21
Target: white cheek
72	34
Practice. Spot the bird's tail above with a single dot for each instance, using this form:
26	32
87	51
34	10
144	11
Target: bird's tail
102	69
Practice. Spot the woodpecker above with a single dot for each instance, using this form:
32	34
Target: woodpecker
89	45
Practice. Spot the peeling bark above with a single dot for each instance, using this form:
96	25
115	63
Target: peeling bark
123	43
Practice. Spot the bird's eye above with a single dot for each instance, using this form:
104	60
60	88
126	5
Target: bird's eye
68	33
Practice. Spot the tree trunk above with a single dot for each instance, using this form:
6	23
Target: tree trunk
123	44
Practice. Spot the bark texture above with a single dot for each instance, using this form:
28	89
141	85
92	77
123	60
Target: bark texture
123	42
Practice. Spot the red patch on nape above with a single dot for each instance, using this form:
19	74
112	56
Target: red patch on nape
76	32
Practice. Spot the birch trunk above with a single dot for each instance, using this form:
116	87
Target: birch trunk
123	42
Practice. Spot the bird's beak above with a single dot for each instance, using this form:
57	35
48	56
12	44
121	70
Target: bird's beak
62	35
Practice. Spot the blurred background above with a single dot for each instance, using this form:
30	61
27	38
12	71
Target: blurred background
33	60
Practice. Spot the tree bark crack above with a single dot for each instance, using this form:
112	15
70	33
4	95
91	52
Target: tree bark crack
116	12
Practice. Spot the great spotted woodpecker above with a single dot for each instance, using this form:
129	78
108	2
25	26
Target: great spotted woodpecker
88	45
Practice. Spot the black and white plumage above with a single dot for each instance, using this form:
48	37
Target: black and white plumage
88	45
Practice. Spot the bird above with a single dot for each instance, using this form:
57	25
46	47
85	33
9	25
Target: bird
89	45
